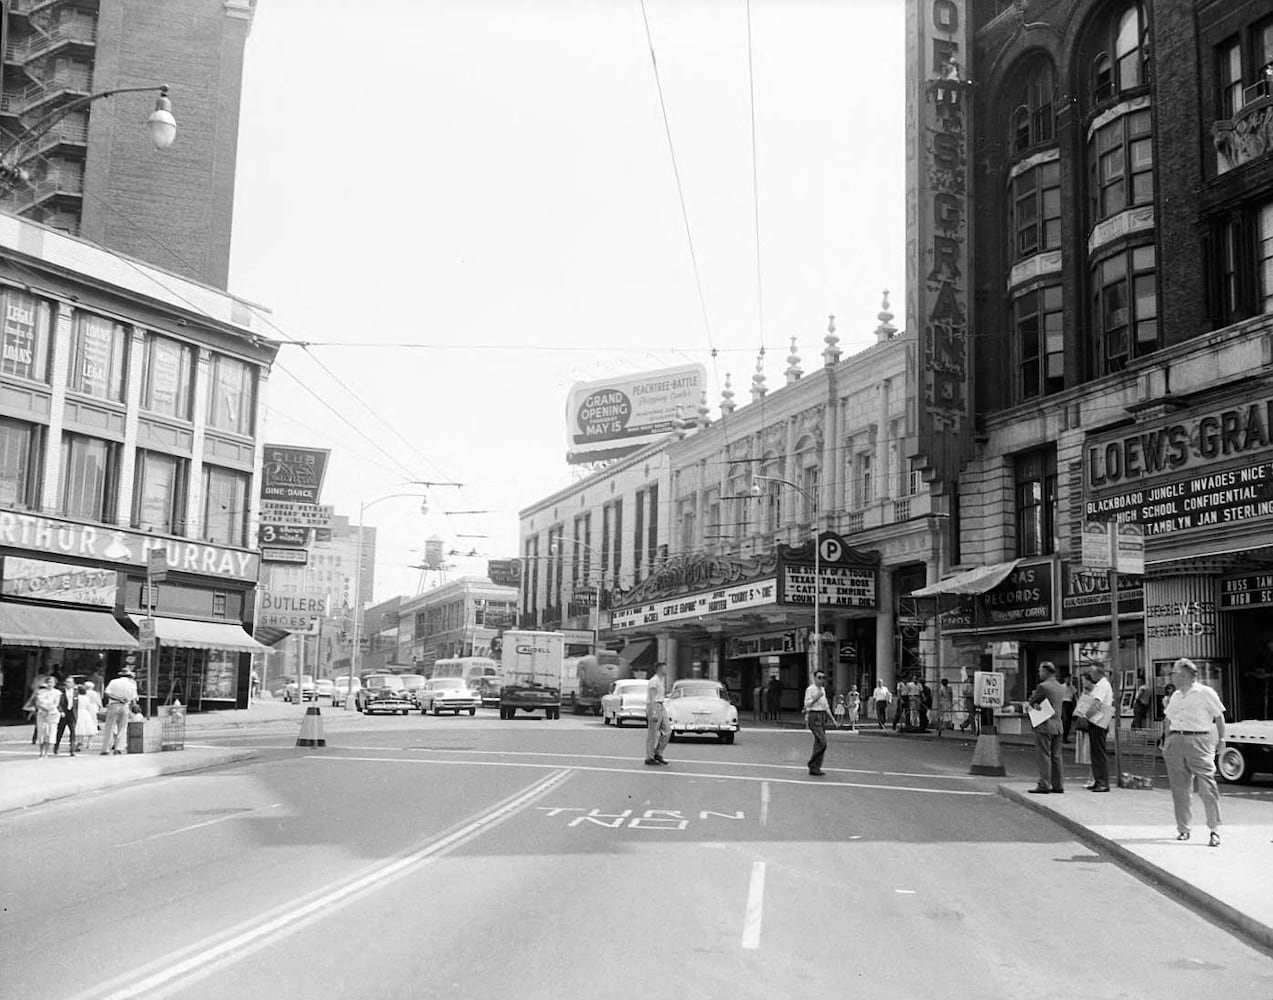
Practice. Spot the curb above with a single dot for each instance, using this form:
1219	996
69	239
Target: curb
13	801
1252	931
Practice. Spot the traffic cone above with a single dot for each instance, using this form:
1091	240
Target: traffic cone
312	729
986	758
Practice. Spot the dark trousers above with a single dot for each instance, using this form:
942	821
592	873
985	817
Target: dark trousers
881	712
1067	719
1048	754
63	724
1100	758
818	726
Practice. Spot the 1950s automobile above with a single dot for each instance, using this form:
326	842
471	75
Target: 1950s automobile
696	706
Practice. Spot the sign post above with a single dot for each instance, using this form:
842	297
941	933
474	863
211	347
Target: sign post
156	572
987	693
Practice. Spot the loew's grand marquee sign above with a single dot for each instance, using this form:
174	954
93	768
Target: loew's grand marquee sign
616	416
939	254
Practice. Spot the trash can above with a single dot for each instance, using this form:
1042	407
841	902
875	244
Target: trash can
145	736
173	729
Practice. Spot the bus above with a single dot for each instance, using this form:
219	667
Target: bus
469	668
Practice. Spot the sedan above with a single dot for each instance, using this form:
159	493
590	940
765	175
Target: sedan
488	689
626	700
324	687
701	707
382	693
341	688
310	692
447	694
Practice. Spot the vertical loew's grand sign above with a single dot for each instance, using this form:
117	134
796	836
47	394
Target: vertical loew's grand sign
938	248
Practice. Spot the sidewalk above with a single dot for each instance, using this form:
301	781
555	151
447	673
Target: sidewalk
1232	883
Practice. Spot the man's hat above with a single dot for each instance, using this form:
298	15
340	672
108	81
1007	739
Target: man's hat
126	669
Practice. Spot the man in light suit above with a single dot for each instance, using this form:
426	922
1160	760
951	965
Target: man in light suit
68	705
1047	735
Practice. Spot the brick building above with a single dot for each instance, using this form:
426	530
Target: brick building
1092	186
96	174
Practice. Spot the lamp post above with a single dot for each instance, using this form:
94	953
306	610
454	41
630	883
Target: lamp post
362	509
817	559
161	124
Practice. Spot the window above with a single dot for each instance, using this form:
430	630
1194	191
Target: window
1122	164
28	323
1035	477
90	477
159	493
808	499
225	506
21	461
1036	209
1264	256
1121	64
688	524
169	376
232	395
98	357
865	483
1126	308
638	536
1229	67
1032	122
1040	341
652	527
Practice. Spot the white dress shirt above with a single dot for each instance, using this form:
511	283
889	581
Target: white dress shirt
1194	710
815	699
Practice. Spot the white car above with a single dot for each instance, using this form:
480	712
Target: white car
341	688
324	688
697	706
447	694
626	700
1248	748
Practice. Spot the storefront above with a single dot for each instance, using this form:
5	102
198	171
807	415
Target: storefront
71	595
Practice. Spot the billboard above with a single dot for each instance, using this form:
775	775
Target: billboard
504	572
293	474
615	416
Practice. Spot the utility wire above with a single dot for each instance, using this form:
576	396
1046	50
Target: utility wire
755	186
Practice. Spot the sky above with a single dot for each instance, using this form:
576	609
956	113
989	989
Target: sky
464	207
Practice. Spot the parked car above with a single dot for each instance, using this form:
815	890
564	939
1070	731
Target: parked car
447	694
488	689
382	693
696	706
1248	748
308	691
625	700
324	687
340	690
411	684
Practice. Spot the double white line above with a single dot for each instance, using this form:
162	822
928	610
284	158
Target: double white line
187	965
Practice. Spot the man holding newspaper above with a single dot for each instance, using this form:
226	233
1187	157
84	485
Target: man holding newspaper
1045	717
1097	707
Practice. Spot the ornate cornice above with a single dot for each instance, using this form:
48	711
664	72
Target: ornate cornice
694	572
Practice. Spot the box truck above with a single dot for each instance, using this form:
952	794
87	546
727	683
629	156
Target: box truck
532	664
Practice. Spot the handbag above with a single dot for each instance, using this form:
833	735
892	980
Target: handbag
101	715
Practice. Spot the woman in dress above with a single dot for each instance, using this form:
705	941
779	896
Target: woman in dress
47	714
854	706
86	721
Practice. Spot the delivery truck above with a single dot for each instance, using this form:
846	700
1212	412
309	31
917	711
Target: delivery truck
532	664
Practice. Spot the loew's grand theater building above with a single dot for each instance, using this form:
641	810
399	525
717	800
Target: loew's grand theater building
1091	212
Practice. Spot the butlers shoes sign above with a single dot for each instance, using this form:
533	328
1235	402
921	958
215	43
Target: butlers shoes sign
129	549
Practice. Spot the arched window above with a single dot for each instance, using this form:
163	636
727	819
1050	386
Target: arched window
771	494
1121	60
807	477
1032	122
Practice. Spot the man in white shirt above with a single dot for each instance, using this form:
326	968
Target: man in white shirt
118	697
1195	737
657	729
882	697
816	713
1099	716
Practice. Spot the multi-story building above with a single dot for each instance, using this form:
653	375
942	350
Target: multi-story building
460	618
1115	260
94	173
129	402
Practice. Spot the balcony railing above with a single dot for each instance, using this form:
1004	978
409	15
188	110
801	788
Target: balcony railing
1248	135
41	43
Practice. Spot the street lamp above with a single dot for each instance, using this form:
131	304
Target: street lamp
161	125
817	558
362	509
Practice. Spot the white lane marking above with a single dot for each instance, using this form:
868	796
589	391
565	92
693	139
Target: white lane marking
905	892
764	803
186	965
663	772
199	826
755	906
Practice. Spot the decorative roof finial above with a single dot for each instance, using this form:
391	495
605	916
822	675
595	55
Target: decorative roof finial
793	364
758	389
727	403
886	330
831	354
678	424
703	410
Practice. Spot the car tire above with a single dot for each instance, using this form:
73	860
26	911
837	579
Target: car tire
472	711
436	710
1234	767
727	737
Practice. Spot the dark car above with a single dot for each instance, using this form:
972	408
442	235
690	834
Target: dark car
381	693
488	689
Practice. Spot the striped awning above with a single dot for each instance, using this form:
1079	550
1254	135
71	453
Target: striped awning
63	628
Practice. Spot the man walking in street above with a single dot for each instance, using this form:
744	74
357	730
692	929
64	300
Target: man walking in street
881	696
1047	734
1195	737
657	729
816	713
119	696
1099	716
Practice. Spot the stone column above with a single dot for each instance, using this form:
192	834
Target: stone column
885	627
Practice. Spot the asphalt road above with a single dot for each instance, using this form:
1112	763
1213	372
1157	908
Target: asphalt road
462	857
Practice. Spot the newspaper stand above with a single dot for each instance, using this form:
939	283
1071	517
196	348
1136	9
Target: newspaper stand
173	732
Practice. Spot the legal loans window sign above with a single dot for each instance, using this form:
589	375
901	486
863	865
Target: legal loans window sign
616	416
24	335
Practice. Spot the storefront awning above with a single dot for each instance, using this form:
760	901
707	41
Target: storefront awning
641	653
28	625
204	635
972	581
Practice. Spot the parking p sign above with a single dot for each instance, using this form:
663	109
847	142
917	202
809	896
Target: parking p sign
987	689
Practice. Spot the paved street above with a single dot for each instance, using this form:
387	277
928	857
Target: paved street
467	857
